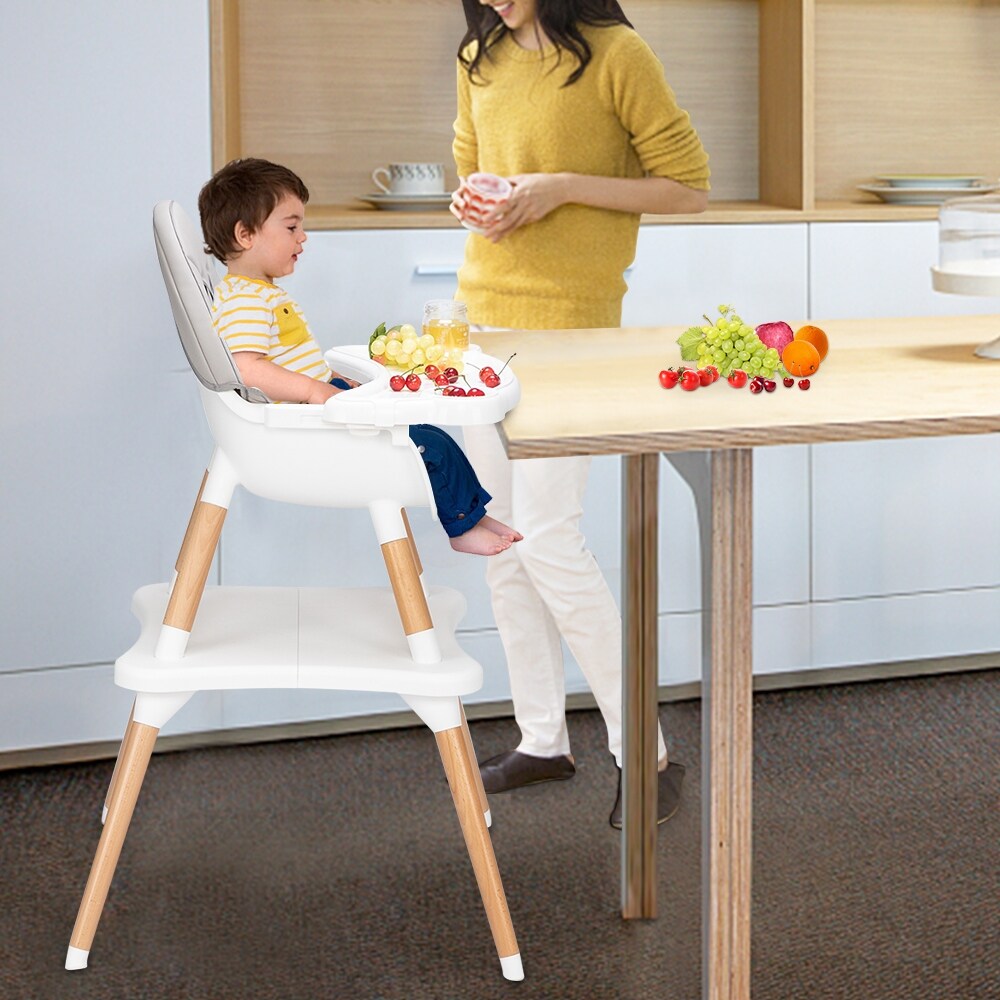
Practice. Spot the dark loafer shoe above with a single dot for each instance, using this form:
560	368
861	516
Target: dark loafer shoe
668	795
513	769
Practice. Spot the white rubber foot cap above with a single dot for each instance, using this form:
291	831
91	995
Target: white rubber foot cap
76	958
104	813
489	818
512	968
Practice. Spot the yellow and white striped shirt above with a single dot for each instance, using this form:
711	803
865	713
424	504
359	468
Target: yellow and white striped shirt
253	315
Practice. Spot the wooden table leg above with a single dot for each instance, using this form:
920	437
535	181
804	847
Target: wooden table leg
727	740
640	483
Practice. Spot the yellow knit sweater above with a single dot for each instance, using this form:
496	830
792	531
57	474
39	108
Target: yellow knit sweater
620	119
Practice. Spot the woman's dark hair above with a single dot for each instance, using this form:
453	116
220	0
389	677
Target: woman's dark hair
243	191
559	21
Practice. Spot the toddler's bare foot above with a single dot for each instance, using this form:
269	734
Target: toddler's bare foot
480	541
501	529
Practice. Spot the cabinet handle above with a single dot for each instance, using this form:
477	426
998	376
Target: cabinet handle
436	270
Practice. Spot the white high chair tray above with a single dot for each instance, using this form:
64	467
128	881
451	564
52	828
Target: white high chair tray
375	403
319	637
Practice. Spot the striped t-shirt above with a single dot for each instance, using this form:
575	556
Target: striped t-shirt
253	315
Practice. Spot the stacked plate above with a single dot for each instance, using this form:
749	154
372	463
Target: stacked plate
927	189
407	202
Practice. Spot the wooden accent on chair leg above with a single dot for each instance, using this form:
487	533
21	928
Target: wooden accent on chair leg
129	732
460	768
406	588
477	774
193	564
413	544
187	531
135	759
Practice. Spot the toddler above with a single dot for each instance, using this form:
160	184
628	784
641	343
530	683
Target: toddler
252	214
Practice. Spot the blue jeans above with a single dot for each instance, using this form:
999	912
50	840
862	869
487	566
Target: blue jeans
458	495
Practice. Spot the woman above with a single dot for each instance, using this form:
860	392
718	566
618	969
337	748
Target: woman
566	101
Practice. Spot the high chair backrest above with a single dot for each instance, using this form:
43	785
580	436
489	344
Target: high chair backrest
189	275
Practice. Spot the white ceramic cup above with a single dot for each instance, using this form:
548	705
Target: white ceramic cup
410	178
482	192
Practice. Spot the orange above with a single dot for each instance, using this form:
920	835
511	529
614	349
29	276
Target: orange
815	336
800	358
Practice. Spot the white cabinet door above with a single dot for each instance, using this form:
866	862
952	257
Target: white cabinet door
681	272
349	282
906	534
861	270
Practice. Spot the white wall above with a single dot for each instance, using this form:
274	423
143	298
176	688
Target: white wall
104	109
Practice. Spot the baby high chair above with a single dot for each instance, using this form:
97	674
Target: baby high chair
260	637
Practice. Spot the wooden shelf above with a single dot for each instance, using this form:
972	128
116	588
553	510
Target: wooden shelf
797	101
334	217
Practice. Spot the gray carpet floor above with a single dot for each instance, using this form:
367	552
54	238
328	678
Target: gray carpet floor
335	867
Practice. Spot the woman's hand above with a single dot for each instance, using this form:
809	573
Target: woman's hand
534	196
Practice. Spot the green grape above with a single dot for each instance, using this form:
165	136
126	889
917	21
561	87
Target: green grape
772	354
718	355
739	344
703	349
724	309
747	331
734	326
759	352
744	355
712	338
727	346
721	323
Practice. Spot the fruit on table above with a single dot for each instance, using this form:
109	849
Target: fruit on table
777	335
815	336
788	382
669	377
728	343
690	380
737	378
800	358
803	383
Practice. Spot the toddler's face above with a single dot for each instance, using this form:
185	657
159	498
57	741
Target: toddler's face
275	247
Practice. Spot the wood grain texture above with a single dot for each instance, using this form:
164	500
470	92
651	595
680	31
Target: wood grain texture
406	588
135	759
727	733
596	391
459	767
193	564
640	481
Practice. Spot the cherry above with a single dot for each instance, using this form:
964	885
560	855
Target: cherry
770	385
485	372
788	382
474	391
492	381
451	374
457	390
668	378
396	383
441	379
690	380
737	378
432	371
803	383
413	382
756	387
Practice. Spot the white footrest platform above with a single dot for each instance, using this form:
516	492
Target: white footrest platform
287	637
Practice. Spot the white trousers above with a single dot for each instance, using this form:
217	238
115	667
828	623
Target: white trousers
546	586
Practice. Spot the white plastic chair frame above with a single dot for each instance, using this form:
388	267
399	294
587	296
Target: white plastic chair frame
288	453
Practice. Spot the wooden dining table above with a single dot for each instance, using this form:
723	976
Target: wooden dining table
596	392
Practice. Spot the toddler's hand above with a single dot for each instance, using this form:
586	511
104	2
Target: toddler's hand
321	392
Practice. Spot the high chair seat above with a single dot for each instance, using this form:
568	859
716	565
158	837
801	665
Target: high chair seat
354	451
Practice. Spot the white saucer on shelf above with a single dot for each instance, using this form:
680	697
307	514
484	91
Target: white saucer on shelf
927	194
930	180
407	202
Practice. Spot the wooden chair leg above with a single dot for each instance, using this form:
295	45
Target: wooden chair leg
484	802
460	768
134	760
193	564
401	565
114	774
